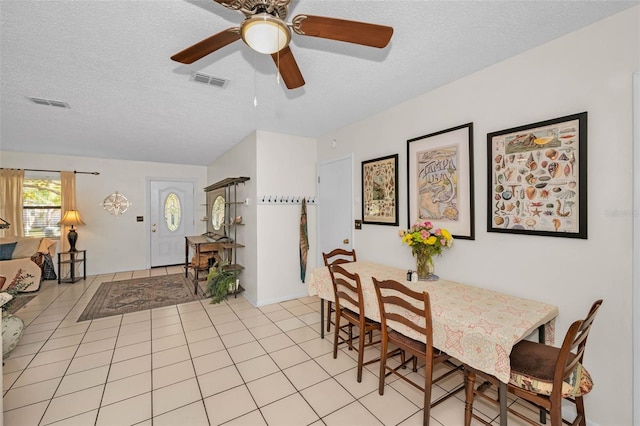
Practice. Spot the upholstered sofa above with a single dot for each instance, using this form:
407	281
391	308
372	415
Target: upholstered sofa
25	255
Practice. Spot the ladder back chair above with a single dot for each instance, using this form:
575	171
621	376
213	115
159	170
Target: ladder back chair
336	256
347	288
402	305
544	375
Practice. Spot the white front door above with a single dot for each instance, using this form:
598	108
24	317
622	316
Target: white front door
171	218
335	205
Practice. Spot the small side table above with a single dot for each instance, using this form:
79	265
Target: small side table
74	258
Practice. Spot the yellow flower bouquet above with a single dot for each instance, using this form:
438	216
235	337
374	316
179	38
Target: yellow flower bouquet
425	242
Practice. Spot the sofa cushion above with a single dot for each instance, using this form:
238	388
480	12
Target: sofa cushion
6	251
26	247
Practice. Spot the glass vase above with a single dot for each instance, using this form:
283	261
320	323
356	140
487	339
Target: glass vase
424	266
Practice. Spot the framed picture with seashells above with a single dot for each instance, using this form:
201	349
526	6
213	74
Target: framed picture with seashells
440	180
537	178
380	191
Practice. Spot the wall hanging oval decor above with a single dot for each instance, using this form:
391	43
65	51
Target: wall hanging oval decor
116	203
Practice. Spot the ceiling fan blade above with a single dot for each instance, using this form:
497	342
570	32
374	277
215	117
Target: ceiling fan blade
288	68
207	46
342	30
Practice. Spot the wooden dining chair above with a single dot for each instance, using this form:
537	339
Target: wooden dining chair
400	305
544	375
336	256
347	290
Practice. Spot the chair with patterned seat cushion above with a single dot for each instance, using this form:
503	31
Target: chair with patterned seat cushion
545	375
336	256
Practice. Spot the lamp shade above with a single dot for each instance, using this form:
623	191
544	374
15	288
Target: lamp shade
71	217
4	224
265	33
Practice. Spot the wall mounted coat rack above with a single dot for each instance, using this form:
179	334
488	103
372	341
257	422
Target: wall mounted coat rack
286	199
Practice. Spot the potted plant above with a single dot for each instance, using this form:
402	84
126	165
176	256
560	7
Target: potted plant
220	282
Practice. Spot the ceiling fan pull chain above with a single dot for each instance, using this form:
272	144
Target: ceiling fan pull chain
255	82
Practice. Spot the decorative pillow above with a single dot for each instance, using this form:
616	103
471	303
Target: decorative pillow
6	251
578	383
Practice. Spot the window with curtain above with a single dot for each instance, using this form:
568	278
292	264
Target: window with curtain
41	204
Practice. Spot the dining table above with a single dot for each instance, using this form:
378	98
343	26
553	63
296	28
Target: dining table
475	325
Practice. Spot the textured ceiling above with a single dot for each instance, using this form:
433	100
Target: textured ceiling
109	60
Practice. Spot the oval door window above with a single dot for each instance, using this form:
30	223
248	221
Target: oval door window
172	212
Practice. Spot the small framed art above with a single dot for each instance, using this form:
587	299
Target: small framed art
537	178
380	191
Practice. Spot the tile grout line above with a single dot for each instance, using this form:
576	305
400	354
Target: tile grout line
237	311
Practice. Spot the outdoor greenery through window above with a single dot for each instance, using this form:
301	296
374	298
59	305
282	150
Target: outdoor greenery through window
41	205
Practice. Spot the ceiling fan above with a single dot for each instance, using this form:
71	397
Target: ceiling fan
265	31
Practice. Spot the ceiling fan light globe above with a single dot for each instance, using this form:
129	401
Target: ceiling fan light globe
265	33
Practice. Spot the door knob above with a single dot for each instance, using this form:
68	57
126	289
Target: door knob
153	230
345	241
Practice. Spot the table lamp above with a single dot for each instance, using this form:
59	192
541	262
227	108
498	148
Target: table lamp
72	217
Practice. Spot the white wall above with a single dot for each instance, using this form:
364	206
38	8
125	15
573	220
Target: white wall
589	70
286	167
636	247
241	161
280	165
112	244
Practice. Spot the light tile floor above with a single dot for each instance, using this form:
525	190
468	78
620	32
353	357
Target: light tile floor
199	364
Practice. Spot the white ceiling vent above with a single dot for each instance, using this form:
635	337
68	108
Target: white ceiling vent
209	79
49	102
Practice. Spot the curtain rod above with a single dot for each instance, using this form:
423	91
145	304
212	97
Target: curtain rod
55	171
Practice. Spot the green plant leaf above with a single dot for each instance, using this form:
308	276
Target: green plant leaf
218	283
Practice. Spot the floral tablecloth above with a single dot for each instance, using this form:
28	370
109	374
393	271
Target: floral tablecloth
477	326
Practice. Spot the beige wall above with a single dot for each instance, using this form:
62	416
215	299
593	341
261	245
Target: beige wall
588	70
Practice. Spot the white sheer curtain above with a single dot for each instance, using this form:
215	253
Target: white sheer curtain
11	183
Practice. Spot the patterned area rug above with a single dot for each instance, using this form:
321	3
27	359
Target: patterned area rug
121	297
